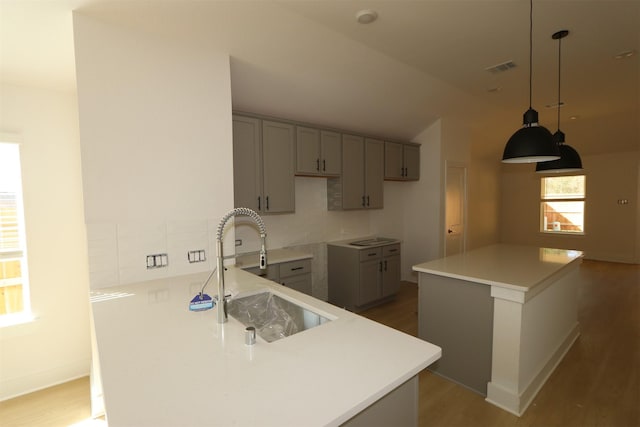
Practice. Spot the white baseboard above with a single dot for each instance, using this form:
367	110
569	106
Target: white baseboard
25	384
516	403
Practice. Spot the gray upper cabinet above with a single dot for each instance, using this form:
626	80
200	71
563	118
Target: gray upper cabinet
318	152
278	165
353	172
263	165
374	173
401	161
247	162
361	184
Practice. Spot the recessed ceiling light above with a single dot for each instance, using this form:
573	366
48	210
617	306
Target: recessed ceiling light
366	16
494	89
626	54
574	117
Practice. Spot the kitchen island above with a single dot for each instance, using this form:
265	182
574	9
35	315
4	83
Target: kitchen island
163	365
504	315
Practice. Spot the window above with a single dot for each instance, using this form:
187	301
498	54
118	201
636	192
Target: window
14	300
562	204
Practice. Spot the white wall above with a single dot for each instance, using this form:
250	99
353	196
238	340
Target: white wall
419	209
155	125
55	347
484	194
610	228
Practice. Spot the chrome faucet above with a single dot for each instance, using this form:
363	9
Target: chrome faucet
222	302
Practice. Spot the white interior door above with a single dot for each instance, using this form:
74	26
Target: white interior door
455	209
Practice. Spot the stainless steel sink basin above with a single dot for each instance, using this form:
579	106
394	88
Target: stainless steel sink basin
273	316
372	242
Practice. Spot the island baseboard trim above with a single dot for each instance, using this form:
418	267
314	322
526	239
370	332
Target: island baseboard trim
517	403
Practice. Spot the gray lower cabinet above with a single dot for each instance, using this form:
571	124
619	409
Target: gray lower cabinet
292	274
263	165
360	278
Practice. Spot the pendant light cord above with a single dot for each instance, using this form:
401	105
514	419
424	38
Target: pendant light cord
530	51
559	68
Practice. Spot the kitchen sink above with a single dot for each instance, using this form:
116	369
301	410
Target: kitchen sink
372	241
273	317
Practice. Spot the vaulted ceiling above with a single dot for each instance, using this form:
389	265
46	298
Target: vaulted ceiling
419	61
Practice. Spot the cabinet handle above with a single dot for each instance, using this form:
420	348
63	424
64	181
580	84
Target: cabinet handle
372	254
380	266
259	203
363	201
385	265
393	250
267	207
324	165
368	204
318	165
297	268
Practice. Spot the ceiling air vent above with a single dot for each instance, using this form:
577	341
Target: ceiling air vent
501	68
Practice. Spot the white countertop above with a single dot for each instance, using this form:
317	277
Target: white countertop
274	256
349	242
163	365
509	266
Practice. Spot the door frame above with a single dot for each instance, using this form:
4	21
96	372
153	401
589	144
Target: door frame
464	166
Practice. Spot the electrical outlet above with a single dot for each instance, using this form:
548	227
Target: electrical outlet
196	256
238	242
157	261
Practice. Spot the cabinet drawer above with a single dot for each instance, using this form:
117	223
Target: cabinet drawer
367	254
390	250
294	268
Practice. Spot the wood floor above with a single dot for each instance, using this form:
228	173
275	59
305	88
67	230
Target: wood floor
597	383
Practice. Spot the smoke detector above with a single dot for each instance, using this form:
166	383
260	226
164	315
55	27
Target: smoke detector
366	16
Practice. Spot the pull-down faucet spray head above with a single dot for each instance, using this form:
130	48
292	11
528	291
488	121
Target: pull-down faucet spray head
222	303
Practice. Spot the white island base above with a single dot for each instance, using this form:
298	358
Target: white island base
514	333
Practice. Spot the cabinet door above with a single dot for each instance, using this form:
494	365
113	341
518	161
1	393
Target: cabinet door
390	275
330	153
308	160
393	166
278	166
374	173
370	275
412	162
353	196
301	283
247	166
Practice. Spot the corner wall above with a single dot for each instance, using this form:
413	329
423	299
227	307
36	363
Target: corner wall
610	228
155	125
55	347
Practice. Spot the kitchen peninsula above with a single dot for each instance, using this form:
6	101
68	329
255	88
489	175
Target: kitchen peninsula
163	365
504	315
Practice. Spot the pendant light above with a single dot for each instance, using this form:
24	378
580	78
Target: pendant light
531	143
569	160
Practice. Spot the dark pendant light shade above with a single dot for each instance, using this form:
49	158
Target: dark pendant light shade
569	160
532	143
